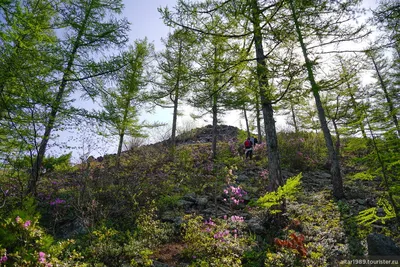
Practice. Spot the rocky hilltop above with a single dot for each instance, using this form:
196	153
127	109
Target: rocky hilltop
204	135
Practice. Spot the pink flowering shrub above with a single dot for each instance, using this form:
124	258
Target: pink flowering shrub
25	243
234	195
219	242
264	175
21	240
3	256
260	150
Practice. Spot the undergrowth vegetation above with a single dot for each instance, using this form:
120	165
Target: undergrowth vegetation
95	214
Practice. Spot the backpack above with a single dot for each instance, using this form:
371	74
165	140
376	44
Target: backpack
247	144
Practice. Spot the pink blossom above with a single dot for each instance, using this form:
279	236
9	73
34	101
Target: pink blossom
3	259
221	235
42	257
27	224
209	222
57	201
18	219
237	219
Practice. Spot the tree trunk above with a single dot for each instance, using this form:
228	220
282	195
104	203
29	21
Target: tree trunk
246	120
294	118
215	125
333	156
269	123
215	107
32	183
120	143
361	118
176	98
388	99
258	119
174	120
337	137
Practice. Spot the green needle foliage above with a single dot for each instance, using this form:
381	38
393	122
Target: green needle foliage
121	103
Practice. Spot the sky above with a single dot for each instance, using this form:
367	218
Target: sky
146	22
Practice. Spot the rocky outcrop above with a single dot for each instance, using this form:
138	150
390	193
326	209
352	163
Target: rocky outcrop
381	245
204	135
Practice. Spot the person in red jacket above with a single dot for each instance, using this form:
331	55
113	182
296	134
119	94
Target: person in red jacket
248	146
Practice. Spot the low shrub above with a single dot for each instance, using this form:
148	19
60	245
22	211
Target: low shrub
215	243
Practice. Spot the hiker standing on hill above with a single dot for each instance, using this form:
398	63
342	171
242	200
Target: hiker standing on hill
248	148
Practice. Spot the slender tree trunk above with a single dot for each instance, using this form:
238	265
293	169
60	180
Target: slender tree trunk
258	119
296	129
174	120
176	98
215	127
388	99
120	143
246	120
269	123
361	118
215	107
32	184
333	156
337	137
122	132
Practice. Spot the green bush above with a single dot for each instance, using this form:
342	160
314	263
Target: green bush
302	151
25	243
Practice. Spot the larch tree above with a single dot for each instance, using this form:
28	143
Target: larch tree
320	24
349	71
120	103
175	63
214	75
26	67
87	29
381	67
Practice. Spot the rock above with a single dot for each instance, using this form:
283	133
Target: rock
159	264
380	212
287	174
256	226
360	201
202	201
324	175
168	216
185	204
190	197
242	178
371	202
381	245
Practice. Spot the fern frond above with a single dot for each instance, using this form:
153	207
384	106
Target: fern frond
287	191
369	216
364	176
